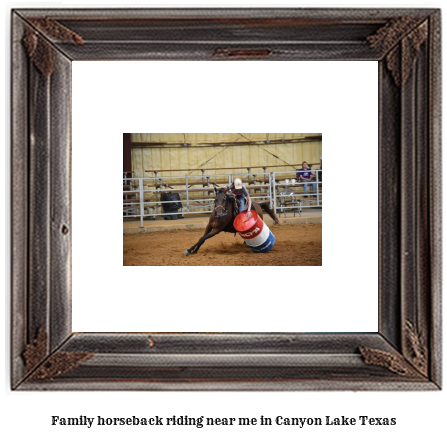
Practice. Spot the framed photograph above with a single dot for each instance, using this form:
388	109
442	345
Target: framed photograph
182	209
405	352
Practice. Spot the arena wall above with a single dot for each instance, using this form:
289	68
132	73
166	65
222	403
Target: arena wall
197	155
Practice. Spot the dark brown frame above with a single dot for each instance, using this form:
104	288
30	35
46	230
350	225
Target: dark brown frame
405	354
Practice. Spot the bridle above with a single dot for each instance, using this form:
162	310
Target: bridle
223	207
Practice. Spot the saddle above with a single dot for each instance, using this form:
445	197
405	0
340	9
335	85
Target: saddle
236	206
230	228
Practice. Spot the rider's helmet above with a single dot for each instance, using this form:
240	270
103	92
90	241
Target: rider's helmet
237	183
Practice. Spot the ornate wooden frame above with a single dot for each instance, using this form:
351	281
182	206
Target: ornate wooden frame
405	354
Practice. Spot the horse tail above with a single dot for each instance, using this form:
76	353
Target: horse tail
265	205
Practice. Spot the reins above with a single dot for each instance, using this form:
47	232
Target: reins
225	210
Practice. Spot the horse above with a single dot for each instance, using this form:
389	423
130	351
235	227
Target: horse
221	218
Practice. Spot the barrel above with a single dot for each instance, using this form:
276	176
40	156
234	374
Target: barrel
254	231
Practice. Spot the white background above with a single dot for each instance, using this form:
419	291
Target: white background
333	297
418	414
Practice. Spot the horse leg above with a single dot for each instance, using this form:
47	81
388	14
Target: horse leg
190	250
201	241
266	207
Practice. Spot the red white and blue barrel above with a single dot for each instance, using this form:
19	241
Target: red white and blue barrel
254	231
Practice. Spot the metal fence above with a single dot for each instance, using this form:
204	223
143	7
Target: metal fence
292	194
142	196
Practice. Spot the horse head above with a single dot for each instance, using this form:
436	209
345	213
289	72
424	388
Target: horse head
220	203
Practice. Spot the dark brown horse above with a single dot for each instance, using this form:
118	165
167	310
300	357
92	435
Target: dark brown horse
222	217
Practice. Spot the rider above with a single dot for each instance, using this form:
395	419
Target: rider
238	190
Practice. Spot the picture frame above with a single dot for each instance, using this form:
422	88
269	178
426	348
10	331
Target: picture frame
405	353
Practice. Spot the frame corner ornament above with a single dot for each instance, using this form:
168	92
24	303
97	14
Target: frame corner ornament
39	49
41	366
416	348
400	57
396	363
59	364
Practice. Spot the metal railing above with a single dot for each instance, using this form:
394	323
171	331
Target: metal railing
143	202
290	194
142	199
250	169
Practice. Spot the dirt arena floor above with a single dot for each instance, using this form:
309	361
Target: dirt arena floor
295	245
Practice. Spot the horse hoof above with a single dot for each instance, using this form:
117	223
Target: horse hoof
186	253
